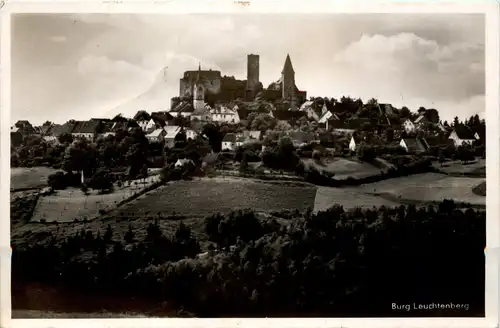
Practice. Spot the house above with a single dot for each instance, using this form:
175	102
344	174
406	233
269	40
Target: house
202	114
164	116
229	142
87	129
224	114
409	126
171	133
300	138
462	135
190	134
355	142
327	116
183	108
414	145
157	135
24	127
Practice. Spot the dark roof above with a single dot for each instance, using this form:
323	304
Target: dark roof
288	115
91	126
164	116
142	115
183	107
230	137
67	127
243	113
22	123
415	144
464	132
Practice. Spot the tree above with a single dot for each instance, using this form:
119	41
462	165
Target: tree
65	138
263	122
144	173
101	180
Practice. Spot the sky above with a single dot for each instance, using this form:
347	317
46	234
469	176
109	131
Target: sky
78	66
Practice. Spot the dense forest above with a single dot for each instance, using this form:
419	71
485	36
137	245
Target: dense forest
333	263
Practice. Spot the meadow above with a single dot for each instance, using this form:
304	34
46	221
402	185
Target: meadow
32	177
203	197
344	168
429	187
70	204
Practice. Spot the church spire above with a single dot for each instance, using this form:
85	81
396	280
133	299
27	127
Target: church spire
288	65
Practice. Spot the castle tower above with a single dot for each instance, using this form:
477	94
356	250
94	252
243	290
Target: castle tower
252	76
288	83
199	92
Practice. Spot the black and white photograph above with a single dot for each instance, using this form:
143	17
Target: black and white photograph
260	165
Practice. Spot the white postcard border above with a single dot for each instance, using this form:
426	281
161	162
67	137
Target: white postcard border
489	8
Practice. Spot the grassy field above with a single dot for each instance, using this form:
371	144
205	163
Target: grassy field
34	177
326	197
200	198
67	205
344	168
457	167
429	187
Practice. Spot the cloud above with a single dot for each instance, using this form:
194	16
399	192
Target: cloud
404	68
108	59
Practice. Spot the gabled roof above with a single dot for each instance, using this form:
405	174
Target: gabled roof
306	105
67	127
163	116
288	115
229	137
142	115
171	131
183	107
328	115
415	144
156	133
464	132
352	124
91	126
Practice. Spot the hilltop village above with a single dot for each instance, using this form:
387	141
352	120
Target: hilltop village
209	206
256	113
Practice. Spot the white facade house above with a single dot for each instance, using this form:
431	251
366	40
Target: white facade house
225	115
171	132
229	142
84	135
409	126
157	135
461	138
190	134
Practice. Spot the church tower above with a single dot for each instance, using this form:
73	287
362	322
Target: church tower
199	92
288	83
